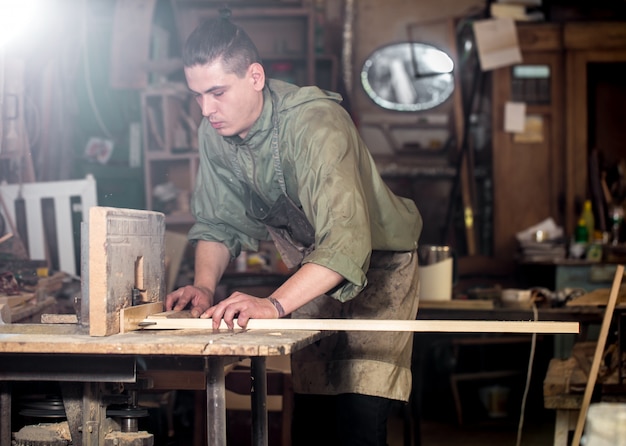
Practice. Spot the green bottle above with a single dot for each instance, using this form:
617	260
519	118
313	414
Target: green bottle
581	235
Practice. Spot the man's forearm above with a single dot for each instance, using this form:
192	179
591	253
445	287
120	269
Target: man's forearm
211	260
309	282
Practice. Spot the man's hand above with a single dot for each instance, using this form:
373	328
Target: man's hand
241	306
200	298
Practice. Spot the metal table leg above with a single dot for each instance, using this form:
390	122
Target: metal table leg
215	401
258	397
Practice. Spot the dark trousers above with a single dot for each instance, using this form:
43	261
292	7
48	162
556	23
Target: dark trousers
342	420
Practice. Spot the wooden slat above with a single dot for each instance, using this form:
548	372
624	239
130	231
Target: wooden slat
445	326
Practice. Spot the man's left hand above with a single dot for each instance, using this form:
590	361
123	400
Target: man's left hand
241	306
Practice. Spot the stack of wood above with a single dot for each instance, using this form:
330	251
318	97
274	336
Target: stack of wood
12	305
566	379
18	302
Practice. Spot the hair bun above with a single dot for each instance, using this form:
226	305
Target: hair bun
225	13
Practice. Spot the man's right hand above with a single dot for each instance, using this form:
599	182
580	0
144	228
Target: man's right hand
200	299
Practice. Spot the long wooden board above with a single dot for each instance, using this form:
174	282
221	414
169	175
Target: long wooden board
445	326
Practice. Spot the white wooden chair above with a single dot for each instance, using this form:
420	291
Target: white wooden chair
47	216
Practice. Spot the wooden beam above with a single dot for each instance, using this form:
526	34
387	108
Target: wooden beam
445	326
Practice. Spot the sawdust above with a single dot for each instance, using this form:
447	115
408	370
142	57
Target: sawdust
54	434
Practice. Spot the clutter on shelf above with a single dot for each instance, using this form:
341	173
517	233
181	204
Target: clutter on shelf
542	242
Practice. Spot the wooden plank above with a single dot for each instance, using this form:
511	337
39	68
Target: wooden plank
599	354
126	251
445	326
131	316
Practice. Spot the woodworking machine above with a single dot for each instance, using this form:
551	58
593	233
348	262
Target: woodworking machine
122	266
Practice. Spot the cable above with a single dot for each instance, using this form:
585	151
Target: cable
528	376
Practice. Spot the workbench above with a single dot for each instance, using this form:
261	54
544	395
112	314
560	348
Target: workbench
565	383
67	353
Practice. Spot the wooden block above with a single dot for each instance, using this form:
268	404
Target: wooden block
59	318
132	316
126	251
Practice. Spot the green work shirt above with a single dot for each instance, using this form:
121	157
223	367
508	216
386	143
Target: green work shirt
328	171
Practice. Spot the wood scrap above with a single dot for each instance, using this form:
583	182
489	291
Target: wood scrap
17	301
47	318
598	298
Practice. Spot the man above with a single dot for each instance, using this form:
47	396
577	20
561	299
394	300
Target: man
286	162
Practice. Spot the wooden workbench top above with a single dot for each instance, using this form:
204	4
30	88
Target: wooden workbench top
72	339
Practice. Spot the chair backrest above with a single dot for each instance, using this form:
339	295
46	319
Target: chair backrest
48	215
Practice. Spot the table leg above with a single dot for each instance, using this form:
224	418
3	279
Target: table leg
258	396
5	413
564	423
215	401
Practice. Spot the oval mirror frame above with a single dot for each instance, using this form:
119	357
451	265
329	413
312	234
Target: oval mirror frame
408	77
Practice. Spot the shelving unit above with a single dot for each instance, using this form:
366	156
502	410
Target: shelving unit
169	122
573	108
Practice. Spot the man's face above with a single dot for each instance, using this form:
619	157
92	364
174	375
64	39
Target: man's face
230	103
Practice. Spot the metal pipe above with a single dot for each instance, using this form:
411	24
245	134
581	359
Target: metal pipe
258	398
215	401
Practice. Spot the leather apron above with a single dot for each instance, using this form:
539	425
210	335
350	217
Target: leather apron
369	363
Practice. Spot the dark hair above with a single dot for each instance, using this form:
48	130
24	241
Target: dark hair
220	38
